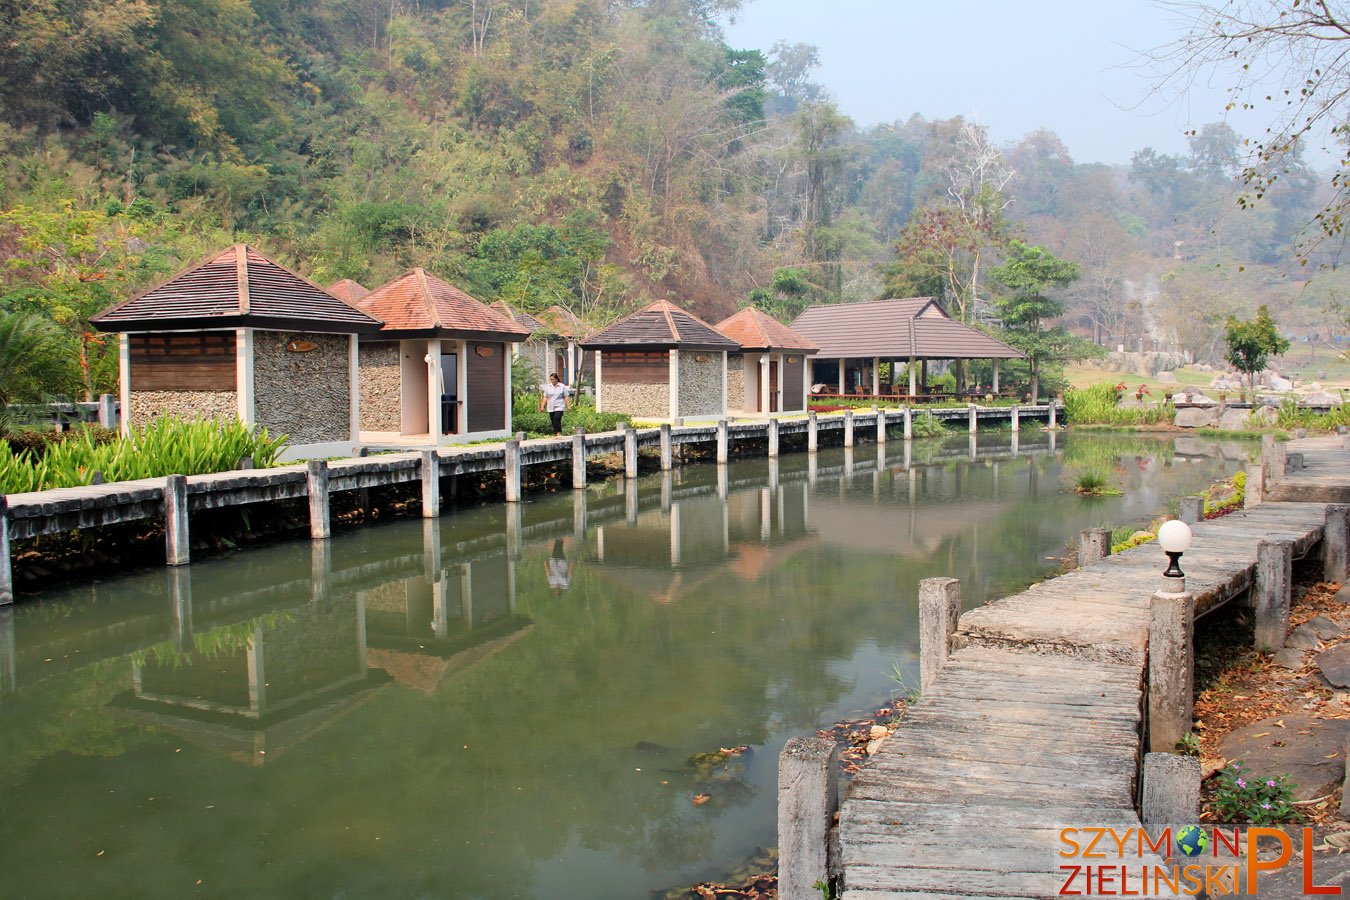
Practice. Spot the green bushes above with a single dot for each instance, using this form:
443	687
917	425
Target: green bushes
526	417
1291	416
167	446
1100	405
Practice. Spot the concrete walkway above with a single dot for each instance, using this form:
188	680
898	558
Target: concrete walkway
1035	722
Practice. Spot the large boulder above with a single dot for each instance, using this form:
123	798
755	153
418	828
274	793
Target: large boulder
1264	415
1167	378
1196	418
1306	748
1319	398
1280	383
1226	382
1233	420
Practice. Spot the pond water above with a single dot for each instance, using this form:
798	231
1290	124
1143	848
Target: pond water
501	703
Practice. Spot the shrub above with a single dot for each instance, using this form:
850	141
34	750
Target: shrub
1244	797
526	417
167	446
1100	405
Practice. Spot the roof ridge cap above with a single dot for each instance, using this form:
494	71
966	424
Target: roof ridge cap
666	306
241	277
427	299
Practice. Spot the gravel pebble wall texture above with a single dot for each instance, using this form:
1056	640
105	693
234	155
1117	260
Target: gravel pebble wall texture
381	386
701	383
736	381
646	401
304	395
146	406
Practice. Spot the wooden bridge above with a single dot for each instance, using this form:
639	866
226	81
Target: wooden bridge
1035	721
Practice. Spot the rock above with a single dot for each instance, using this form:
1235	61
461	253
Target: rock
1196	418
1343	595
1264	415
1323	627
1233	420
1287	658
1226	382
1302	639
1335	665
1276	383
1167	378
874	746
1319	398
1308	749
1195	398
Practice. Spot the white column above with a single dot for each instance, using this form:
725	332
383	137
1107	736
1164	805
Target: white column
723	411
354	378
996	362
876	375
462	385
841	374
433	371
124	381
599	404
763	384
674	383
913	378
243	375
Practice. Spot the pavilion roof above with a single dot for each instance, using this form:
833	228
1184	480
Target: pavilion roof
418	304
236	288
662	324
562	321
915	327
521	318
348	291
757	330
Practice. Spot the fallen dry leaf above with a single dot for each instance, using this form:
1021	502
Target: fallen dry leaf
700	799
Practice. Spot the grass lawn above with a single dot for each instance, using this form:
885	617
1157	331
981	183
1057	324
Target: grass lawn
1304	363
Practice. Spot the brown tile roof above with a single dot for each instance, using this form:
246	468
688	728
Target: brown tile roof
422	304
237	287
897	329
348	291
562	321
662	324
522	318
757	330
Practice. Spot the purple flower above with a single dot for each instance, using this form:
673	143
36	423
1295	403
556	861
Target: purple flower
1270	783
1265	806
1241	783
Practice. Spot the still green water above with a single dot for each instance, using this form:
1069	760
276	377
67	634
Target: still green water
501	703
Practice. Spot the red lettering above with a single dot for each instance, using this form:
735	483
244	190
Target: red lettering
1162	847
1125	881
1073	873
1308	886
1106	885
1235	847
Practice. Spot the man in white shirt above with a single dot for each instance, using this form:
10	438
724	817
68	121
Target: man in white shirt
557	399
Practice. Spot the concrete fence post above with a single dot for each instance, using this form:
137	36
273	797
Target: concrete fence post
177	550
1014	414
1053	411
6	569
1093	544
1171	669
107	411
848	428
666	448
1335	534
773	438
630	453
722	442
1293	462
1270	594
881	424
1171	789
1255	491
808	797
316	486
431	485
939	613
909	424
1268	454
511	462
579	460
1192	510
812	432
974	417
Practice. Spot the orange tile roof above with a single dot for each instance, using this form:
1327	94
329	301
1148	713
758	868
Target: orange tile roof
419	302
757	330
348	291
895	329
563	321
236	287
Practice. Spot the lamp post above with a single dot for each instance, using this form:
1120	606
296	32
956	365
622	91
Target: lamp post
1175	538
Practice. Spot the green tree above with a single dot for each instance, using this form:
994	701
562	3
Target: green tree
31	367
1251	343
1026	313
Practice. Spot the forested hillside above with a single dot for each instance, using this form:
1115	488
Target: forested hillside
593	153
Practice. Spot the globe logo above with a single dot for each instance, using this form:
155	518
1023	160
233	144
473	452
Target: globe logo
1192	840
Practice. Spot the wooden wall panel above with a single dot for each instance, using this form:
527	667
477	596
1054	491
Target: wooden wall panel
188	361
487	385
635	367
793	374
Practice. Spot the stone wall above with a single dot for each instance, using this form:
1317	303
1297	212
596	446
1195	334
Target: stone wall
646	401
381	386
146	406
304	395
735	381
701	383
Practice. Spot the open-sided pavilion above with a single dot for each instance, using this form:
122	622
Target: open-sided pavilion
856	338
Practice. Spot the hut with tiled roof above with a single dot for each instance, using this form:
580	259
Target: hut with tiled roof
440	368
661	362
769	374
855	339
240	336
552	347
348	291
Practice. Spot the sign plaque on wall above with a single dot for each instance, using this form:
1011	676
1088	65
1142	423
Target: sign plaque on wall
483	349
702	357
299	346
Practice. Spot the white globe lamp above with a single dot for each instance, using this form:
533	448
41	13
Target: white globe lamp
1175	538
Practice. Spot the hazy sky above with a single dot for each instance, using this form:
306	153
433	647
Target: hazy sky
1014	65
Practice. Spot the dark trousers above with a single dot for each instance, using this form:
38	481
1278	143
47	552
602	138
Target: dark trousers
556	416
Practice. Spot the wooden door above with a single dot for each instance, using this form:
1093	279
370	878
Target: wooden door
773	385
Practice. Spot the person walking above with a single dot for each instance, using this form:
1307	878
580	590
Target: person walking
557	398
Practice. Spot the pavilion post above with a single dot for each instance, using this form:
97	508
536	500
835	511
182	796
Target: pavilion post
923	375
876	375
913	380
996	362
842	366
